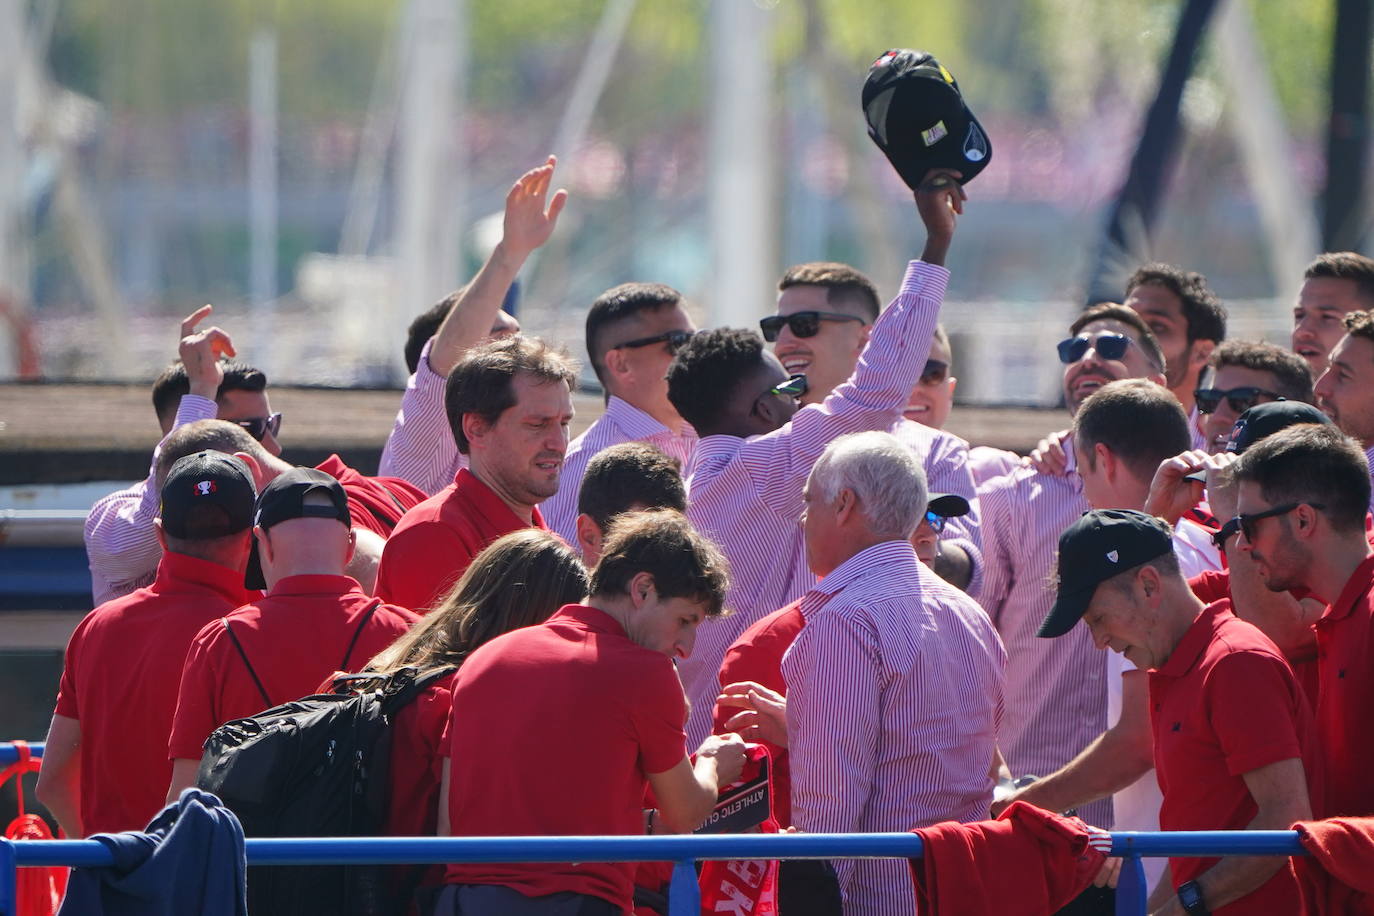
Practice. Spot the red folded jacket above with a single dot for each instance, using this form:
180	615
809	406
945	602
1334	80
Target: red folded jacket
1338	877
1027	861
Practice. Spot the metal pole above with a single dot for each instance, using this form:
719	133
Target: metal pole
262	191
1347	133
9	879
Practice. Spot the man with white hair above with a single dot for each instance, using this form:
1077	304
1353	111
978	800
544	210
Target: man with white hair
894	685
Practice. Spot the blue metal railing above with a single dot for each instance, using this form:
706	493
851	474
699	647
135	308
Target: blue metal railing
10	754
683	851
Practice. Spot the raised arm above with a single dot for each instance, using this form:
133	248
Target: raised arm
421	447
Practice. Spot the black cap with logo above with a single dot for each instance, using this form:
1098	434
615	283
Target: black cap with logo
1100	545
203	481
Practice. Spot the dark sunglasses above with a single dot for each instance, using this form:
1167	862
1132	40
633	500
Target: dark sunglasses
803	324
674	340
794	387
259	427
1107	345
935	372
936	522
1240	399
1246	523
1227	532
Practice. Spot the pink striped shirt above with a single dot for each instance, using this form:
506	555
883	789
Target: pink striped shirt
894	692
1369	456
421	447
944	457
985	463
1056	688
746	494
121	543
622	422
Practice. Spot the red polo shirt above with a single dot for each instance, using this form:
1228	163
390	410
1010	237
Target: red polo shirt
757	656
374	503
125	719
1345	696
1225	703
437	540
294	637
555	729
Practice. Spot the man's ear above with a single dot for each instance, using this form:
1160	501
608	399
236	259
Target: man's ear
953	383
161	535
1159	379
640	588
255	469
1104	460
588	539
846	506
1200	353
615	363
475	427
1306	521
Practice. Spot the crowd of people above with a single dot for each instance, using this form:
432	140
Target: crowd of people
767	538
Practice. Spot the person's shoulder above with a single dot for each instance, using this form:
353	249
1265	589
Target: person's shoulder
394	614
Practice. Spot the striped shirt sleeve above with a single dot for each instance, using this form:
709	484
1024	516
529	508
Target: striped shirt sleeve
421	448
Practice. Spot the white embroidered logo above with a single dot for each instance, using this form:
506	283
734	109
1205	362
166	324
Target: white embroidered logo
1113	556
205	487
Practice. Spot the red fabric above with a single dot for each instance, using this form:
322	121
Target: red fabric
1336	880
294	637
757	656
1211	585
1026	861
374	503
580	715
436	541
123	666
744	885
418	752
1225	703
38	890
1345	695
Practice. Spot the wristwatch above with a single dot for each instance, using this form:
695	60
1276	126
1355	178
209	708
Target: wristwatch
1190	895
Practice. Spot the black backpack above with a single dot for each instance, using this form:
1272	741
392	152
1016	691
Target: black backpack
317	766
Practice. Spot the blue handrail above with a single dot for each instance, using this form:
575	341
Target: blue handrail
681	850
10	754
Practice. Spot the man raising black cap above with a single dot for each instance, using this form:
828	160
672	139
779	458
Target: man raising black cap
1233	736
313	621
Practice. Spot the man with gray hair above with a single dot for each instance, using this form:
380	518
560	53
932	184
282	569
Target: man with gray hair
894	685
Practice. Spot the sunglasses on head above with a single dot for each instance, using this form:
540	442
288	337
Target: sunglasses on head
1247	523
803	324
1240	399
259	427
935	372
674	340
1107	344
936	522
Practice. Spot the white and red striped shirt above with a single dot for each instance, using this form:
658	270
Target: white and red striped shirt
421	447
1369	456
945	460
985	463
121	542
746	494
1056	688
894	691
622	422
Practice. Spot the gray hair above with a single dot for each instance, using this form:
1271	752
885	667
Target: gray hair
884	475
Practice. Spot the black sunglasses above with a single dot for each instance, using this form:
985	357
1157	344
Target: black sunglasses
1240	399
1227	532
259	427
935	372
1107	345
1246	523
803	324
674	340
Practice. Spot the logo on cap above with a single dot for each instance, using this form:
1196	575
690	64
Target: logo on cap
975	144
1113	556
934	134
206	487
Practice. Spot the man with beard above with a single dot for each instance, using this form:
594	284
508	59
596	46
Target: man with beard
1345	391
1334	285
509	403
1056	689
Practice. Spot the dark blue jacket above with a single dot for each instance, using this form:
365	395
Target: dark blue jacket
189	860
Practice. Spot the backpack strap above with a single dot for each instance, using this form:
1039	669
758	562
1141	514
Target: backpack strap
266	700
388	523
408	683
367	615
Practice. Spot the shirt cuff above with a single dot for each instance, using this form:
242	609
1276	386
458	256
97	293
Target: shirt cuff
925	279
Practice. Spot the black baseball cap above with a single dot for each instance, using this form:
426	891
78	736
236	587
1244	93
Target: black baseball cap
207	479
947	505
1101	544
1264	420
284	499
917	116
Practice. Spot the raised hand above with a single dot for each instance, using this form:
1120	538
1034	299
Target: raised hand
1171	492
201	351
528	224
939	199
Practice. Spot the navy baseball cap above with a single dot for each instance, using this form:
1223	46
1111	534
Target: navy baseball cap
1100	545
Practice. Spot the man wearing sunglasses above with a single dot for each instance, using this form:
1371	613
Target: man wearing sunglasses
1247	373
633	331
824	317
757	445
202	384
1188	321
1301	510
1056	691
1346	389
